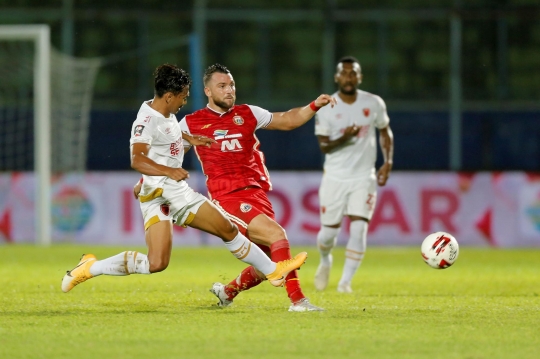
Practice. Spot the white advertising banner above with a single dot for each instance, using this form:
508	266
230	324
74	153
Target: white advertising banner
482	209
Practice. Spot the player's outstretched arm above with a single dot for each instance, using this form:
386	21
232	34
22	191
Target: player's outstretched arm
296	117
386	140
141	163
196	140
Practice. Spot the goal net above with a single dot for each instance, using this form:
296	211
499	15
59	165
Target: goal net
45	99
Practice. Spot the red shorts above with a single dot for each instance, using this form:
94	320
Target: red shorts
243	205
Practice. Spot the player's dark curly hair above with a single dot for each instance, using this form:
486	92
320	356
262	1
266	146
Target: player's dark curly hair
213	69
170	78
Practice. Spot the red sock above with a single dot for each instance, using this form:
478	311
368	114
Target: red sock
280	251
247	279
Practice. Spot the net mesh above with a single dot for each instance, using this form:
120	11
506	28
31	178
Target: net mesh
72	82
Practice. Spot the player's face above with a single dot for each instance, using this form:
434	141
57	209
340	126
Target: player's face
221	90
348	77
178	101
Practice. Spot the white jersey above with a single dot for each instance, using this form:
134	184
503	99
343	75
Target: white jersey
165	140
357	157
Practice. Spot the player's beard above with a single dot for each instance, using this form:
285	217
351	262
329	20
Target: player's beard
347	89
223	104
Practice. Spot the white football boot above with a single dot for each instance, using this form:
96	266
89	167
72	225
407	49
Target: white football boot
322	275
344	288
304	306
218	289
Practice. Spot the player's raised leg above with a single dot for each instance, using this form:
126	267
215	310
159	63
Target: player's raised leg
211	220
159	242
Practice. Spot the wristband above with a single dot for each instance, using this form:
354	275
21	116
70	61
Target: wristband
314	107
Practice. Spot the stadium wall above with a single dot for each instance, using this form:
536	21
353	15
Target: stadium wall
480	209
491	140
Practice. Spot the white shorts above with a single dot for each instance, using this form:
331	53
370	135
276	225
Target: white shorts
176	201
350	197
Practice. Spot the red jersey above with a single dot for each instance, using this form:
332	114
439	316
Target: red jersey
235	161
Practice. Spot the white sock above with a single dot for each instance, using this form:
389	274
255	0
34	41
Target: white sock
356	247
250	253
326	240
125	263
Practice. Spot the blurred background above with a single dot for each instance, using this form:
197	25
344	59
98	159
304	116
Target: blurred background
460	80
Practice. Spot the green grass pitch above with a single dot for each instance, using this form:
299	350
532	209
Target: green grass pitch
486	306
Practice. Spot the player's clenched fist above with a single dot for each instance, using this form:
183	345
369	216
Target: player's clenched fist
324	100
177	174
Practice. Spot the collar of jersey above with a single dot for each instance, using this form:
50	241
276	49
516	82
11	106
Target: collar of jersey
218	113
157	113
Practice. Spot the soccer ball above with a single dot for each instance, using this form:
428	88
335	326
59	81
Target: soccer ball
440	250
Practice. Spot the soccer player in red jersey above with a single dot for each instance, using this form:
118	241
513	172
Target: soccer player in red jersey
237	178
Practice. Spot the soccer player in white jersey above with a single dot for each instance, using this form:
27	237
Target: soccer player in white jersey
157	152
346	135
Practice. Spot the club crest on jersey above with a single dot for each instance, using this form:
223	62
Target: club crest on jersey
245	207
366	112
138	130
238	120
220	132
165	209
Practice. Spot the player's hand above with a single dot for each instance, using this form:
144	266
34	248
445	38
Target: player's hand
137	189
178	174
324	100
197	140
351	131
383	173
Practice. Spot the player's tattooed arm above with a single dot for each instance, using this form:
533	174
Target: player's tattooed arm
327	146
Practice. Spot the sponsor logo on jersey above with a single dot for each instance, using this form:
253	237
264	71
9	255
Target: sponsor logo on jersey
138	130
175	147
366	112
238	120
220	132
339	116
245	207
165	209
231	146
206	126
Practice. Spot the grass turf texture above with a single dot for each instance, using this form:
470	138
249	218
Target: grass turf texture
486	306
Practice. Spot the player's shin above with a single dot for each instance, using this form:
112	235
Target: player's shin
247	252
246	280
125	263
279	251
356	247
326	240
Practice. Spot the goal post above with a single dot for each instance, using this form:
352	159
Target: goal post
40	36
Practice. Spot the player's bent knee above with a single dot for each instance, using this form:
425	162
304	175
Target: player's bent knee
158	265
229	232
276	232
